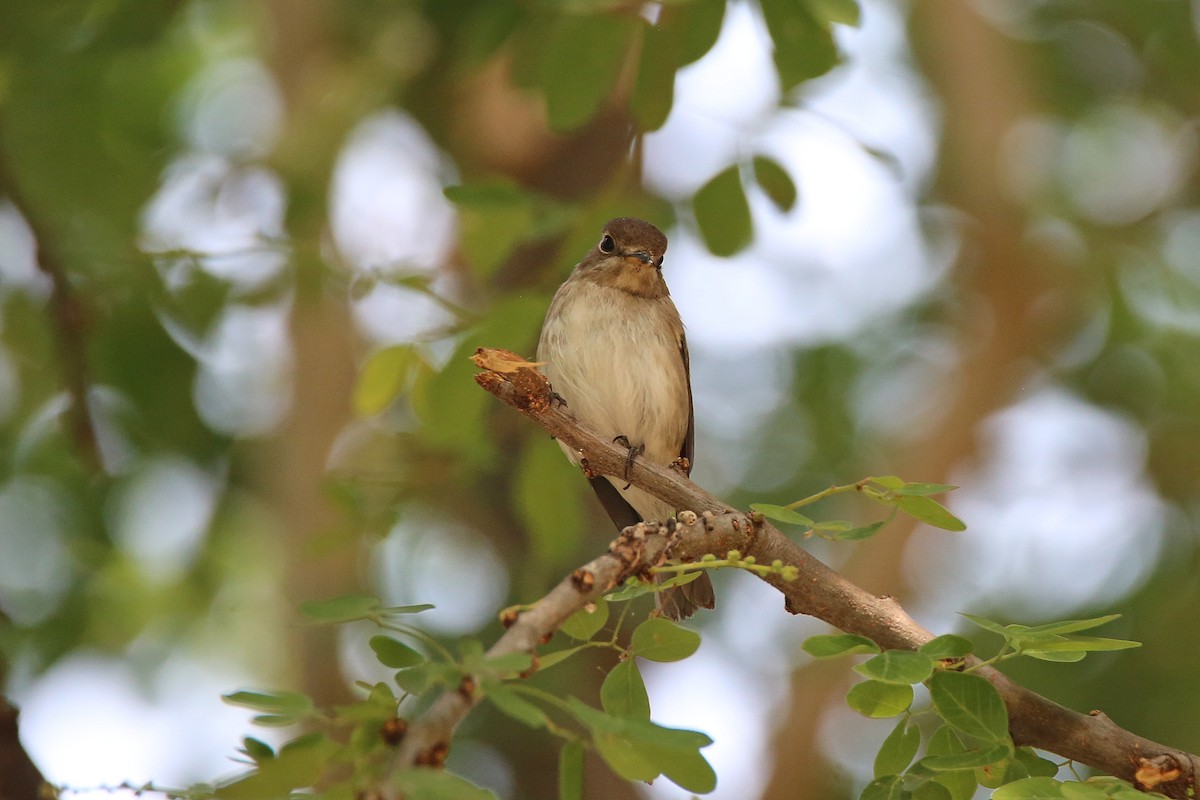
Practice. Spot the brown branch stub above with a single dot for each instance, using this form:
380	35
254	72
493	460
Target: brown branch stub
530	390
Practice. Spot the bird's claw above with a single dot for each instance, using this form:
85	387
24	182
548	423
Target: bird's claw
634	452
557	399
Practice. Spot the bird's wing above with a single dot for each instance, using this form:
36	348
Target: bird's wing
689	439
617	507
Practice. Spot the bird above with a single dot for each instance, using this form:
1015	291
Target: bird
614	351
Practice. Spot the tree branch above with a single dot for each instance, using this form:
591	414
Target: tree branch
68	317
20	778
1091	739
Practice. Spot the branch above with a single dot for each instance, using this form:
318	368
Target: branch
19	777
1091	739
68	318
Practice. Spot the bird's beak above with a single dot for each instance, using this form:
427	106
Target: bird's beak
639	258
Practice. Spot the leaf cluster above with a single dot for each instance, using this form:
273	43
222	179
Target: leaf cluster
897	494
969	744
354	742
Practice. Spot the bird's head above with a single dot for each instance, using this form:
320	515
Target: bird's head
629	257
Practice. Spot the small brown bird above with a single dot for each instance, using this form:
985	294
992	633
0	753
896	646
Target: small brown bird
615	352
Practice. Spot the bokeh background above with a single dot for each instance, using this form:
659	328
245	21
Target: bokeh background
236	304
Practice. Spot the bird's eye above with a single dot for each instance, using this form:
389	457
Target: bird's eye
658	261
607	245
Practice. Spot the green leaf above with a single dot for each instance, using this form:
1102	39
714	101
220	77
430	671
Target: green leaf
932	790
436	784
558	656
507	665
570	771
580	63
1035	764
421	678
380	693
845	12
495	217
297	766
487	195
654	89
860	533
781	514
449	404
341	609
1006	770
470	654
632	588
1069	657
898	749
986	624
386	373
947	645
922	489
626	758
485	30
1070	626
401	611
659	639
838	644
275	708
393	653
679	579
930	512
888	787
879	700
804	46
1077	644
1039	788
637	749
961	783
586	622
257	749
1102	787
970	704
623	693
548	502
889	482
723	214
897	666
699	25
967	759
514	705
775	182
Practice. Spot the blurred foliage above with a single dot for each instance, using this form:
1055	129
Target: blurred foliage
172	277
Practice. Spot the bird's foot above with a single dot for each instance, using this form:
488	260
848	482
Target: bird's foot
634	452
682	464
557	399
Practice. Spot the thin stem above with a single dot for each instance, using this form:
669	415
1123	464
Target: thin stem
421	636
821	495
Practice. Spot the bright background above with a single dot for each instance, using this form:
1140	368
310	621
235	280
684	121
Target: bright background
990	277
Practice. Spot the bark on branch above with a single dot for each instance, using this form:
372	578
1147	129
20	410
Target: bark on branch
19	776
1092	739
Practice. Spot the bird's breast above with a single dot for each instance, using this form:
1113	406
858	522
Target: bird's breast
615	358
